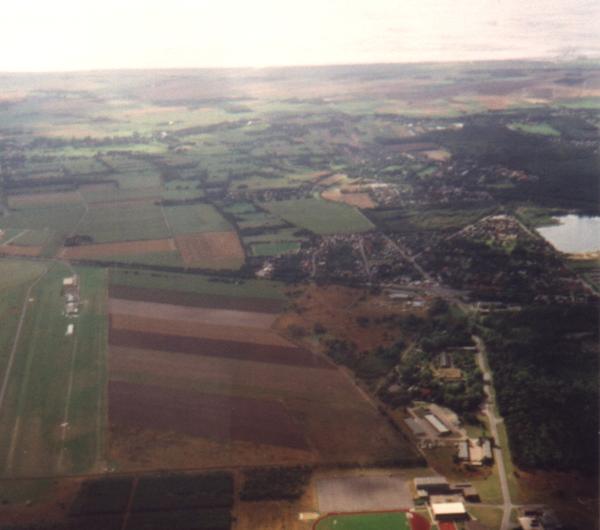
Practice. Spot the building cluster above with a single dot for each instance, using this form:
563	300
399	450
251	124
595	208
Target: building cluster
445	501
70	293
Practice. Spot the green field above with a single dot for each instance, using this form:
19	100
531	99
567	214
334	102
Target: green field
197	284
320	217
274	249
124	223
33	238
51	419
60	218
193	218
534	128
364	521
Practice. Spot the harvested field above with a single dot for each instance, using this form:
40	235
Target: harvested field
362	493
190	299
219	317
193	329
219	375
204	415
242	351
16	250
123	248
33	199
360	200
211	250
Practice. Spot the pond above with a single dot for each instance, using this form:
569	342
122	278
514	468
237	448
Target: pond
574	234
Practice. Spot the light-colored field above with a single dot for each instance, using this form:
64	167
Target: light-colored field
65	197
211	250
159	324
123	248
362	493
360	200
201	315
439	155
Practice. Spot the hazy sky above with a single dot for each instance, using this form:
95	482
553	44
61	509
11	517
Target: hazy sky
91	34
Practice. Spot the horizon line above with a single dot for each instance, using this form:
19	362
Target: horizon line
535	59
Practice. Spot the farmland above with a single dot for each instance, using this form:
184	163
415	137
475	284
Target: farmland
272	265
223	343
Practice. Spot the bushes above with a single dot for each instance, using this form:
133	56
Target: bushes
281	483
182	492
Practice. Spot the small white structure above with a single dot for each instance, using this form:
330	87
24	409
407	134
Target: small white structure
447	511
70	329
441	429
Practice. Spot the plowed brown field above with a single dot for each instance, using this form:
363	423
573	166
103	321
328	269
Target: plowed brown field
123	248
218	348
211	250
215	301
15	250
206	415
204	315
193	329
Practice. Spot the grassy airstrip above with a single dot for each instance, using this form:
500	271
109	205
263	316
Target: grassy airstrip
51	420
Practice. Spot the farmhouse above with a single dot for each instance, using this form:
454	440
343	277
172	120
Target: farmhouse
475	452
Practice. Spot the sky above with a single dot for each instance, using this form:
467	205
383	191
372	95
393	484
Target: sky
64	35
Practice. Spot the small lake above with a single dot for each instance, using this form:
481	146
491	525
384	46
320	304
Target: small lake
574	234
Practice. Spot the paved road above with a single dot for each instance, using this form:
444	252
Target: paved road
489	411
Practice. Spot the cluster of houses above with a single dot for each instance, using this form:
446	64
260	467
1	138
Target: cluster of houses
70	293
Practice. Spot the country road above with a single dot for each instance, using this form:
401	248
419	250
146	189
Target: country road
489	411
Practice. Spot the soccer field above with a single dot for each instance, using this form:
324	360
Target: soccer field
365	521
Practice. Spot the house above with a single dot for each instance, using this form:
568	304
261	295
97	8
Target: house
475	452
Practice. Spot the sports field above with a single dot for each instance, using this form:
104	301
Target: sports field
369	521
